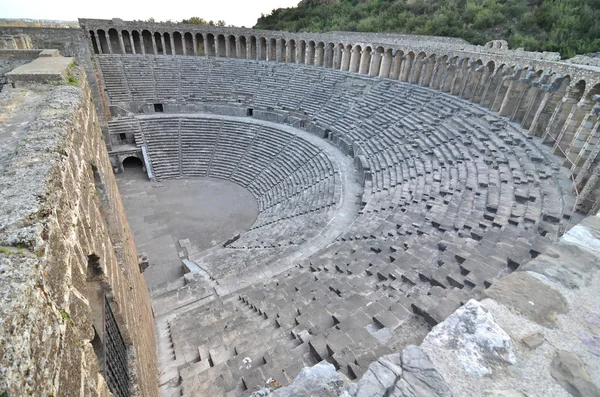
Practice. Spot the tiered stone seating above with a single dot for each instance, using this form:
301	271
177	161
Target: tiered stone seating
453	199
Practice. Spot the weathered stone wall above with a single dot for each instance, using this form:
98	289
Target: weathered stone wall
64	237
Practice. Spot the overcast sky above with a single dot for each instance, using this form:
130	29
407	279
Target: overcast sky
233	12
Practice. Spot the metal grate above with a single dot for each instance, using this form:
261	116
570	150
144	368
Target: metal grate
116	372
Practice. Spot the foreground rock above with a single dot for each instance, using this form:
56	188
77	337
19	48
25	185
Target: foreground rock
477	341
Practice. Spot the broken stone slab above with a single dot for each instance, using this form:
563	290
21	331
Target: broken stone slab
474	338
569	371
409	374
529	296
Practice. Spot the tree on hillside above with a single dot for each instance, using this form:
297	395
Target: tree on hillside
566	26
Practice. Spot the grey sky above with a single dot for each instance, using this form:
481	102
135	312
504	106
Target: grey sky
233	12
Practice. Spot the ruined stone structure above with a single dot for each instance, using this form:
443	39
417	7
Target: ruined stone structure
398	180
75	314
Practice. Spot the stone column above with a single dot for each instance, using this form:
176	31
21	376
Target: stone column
97	42
110	51
195	44
355	60
559	116
121	42
142	43
571	125
319	55
375	64
162	43
583	134
154	47
396	66
227	48
406	67
426	75
132	42
183	49
172	38
337	58
345	66
386	65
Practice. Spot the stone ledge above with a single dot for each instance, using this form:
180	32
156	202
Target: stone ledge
43	70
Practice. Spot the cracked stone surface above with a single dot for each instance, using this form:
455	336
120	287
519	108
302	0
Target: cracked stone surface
476	340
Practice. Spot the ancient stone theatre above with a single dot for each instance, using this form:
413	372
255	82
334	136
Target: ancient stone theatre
193	210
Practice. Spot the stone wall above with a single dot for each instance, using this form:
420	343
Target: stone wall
65	245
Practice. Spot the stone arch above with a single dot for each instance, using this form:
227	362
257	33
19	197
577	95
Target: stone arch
132	162
127	46
148	48
94	42
159	45
200	50
178	46
302	52
137	42
243	45
396	68
510	74
365	60
253	49
188	41
114	42
272	50
319	54
291	51
104	41
230	47
210	46
595	90
310	53
220	46
262	49
355	58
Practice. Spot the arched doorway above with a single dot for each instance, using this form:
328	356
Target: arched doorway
133	164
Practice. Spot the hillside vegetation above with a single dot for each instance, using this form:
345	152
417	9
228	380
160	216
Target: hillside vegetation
567	26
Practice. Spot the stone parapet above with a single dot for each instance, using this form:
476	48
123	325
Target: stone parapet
67	256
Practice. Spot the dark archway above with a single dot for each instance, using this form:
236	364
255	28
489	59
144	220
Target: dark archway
133	163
